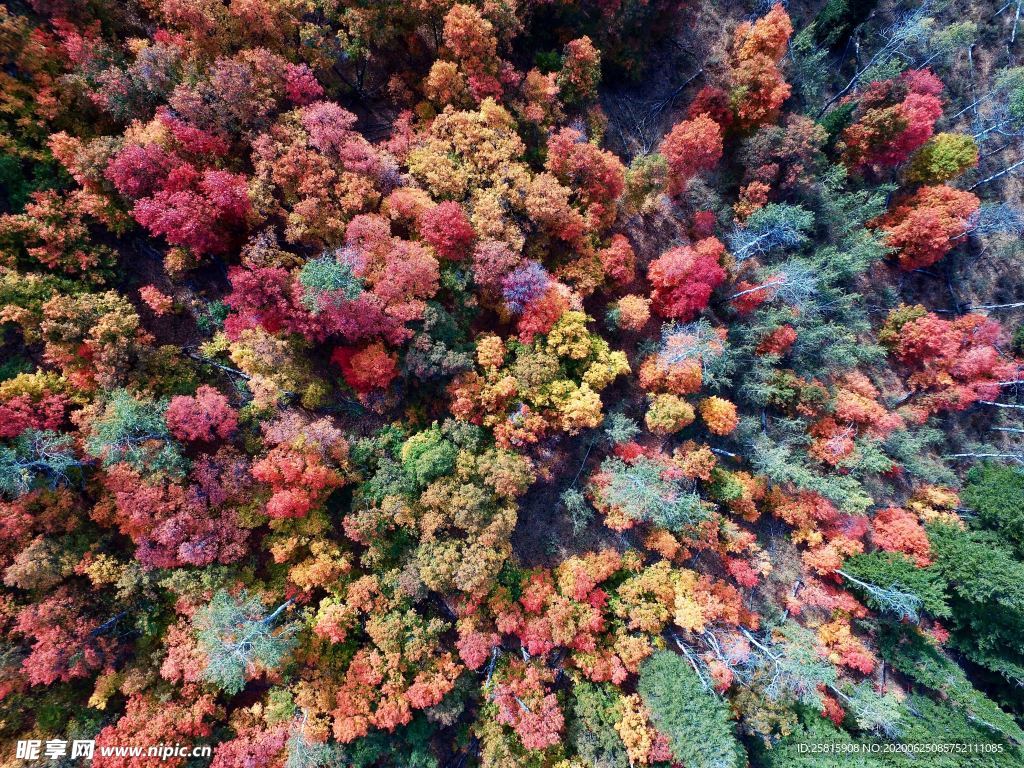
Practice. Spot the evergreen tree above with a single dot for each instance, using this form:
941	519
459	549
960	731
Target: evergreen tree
696	722
239	639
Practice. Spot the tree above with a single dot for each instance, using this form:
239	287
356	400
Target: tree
618	260
239	639
328	282
445	84
785	157
642	490
139	170
696	723
896	530
893	584
594	177
67	643
253	747
372	367
581	71
93	338
668	414
630	313
689	356
303	466
37	459
524	704
896	116
690	147
205	417
919	656
321	171
523	285
954	363
719	415
32	401
159	303
942	158
643	743
54	232
594	714
984	592
996	492
448	231
683	278
927	226
778	341
471	39
133	430
776	225
147	720
305	753
173	524
1000	114
427	456
758	88
199	211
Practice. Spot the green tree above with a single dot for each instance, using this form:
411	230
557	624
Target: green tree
326	280
427	456
619	428
239	638
36	458
776	225
580	512
914	654
595	711
695	721
986	597
891	583
996	493
642	490
131	429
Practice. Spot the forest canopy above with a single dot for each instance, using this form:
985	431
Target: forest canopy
511	383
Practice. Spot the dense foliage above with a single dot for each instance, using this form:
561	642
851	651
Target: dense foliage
445	383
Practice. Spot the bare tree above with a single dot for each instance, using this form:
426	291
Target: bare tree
891	599
795	283
904	39
774	226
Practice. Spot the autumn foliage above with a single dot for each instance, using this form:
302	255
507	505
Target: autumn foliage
683	278
690	147
505	383
927	226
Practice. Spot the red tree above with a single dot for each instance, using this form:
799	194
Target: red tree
618	260
148	721
953	363
758	88
896	530
448	231
595	176
65	644
684	278
926	226
173	525
200	211
372	367
205	417
691	146
894	118
32	411
525	705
